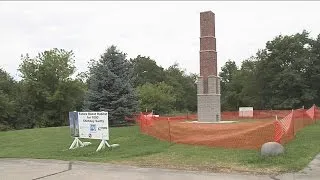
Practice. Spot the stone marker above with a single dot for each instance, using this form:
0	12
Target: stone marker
271	149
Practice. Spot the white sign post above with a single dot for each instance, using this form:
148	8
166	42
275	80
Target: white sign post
74	130
76	142
102	145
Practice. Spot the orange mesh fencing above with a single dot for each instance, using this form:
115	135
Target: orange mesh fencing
244	133
317	114
300	119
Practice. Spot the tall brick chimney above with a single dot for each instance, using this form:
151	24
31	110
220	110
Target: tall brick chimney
208	53
208	92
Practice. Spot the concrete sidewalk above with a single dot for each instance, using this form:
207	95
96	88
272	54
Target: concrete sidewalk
32	169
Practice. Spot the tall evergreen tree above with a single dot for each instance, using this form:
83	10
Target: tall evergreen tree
110	86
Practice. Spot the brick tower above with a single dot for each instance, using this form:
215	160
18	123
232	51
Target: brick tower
208	87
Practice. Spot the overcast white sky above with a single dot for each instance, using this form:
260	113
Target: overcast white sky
165	31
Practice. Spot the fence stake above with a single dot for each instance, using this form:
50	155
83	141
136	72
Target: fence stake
293	125
314	114
139	118
304	123
169	130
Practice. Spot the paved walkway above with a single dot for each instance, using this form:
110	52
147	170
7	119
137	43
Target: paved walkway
32	169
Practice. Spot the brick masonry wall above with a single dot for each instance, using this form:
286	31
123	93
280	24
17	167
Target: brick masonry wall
207	42
207	23
208	53
208	63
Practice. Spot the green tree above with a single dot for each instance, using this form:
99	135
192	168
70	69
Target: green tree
282	69
249	95
8	94
185	88
283	75
47	90
228	71
312	74
230	87
146	70
159	97
110	86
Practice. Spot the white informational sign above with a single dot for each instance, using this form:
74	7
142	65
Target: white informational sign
245	111
93	125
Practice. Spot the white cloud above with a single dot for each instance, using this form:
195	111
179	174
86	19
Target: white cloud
165	31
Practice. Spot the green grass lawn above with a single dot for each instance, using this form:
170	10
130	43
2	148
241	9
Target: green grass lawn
142	150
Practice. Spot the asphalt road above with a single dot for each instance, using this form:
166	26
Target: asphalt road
33	169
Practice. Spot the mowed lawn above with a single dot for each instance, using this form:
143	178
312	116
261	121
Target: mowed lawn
142	150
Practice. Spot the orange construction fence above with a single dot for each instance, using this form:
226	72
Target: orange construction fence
286	128
242	133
